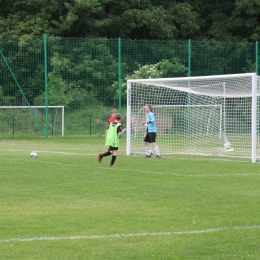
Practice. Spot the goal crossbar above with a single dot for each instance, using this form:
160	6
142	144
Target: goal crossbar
192	78
193	88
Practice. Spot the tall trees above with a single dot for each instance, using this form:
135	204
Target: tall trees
228	21
165	20
52	17
219	20
146	19
245	20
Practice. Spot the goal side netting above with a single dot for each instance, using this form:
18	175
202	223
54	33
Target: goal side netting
29	121
212	115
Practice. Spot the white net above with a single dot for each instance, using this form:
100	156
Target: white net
197	115
31	121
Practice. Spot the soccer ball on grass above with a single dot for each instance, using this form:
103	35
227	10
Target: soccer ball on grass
33	154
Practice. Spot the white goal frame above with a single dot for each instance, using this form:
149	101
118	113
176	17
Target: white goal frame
164	82
28	107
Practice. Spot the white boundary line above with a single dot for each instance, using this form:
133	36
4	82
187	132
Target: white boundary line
170	157
105	167
191	232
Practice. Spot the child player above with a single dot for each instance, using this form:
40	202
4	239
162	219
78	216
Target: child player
150	136
111	119
114	132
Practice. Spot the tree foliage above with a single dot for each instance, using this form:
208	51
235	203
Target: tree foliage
164	69
229	21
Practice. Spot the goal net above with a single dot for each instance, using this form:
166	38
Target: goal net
211	115
31	121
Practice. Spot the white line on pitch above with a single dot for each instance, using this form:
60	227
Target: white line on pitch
48	152
141	171
191	232
201	157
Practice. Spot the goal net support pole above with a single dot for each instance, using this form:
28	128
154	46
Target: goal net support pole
129	121
254	116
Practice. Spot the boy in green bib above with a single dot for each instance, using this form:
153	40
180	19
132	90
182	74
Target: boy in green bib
115	131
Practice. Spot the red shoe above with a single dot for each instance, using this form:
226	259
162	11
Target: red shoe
111	165
100	156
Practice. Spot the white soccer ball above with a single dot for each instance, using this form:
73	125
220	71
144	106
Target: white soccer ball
33	154
151	152
227	145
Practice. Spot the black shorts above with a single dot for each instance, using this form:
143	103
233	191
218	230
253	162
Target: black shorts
150	137
113	148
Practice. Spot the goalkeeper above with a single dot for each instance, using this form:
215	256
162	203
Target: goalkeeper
150	136
114	132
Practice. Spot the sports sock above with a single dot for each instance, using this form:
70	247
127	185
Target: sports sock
106	154
157	150
113	159
147	150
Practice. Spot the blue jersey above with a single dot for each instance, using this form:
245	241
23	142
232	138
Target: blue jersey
152	126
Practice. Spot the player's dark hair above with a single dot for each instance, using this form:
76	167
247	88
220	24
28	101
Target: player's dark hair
118	116
150	107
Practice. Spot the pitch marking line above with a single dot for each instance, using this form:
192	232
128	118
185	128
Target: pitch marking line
126	235
48	152
141	171
202	157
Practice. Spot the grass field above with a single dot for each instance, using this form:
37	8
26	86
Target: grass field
65	205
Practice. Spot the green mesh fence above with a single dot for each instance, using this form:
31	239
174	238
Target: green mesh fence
81	73
87	77
21	80
214	58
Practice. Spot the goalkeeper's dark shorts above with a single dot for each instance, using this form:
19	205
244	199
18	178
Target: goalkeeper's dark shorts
150	137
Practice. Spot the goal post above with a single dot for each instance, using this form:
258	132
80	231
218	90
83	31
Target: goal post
205	115
19	120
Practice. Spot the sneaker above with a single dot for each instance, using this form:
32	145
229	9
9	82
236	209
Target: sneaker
100	156
148	156
111	165
158	157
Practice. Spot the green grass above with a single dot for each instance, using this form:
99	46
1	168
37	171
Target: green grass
65	205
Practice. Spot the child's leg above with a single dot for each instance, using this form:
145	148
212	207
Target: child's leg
156	148
113	158
146	141
107	154
147	149
101	155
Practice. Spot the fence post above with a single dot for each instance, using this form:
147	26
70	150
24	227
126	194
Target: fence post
52	125
46	85
13	123
189	57
90	127
119	78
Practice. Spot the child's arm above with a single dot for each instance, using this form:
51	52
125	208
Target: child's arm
120	133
